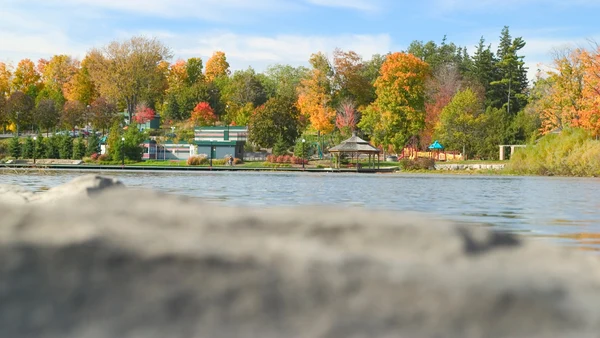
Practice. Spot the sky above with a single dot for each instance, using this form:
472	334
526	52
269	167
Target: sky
259	33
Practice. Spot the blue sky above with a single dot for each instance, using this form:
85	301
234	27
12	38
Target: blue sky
261	32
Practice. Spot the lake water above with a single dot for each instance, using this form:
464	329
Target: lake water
563	210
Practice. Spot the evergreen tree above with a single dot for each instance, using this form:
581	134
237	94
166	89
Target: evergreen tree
15	147
93	145
79	149
134	138
114	141
51	147
40	146
280	147
483	69
509	90
65	149
27	151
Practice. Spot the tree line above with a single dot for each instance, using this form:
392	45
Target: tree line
429	91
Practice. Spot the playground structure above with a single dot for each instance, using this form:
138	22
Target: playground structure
414	153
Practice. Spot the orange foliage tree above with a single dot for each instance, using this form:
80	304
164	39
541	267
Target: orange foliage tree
203	115
216	66
314	102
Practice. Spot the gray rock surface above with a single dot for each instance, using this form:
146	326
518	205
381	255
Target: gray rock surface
81	188
132	264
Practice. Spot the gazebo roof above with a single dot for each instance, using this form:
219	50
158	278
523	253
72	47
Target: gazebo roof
354	145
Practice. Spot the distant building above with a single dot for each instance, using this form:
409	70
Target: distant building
217	142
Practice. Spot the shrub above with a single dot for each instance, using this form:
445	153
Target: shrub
94	156
418	164
219	161
237	161
103	158
571	153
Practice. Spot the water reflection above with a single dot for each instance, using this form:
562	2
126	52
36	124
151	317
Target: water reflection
565	210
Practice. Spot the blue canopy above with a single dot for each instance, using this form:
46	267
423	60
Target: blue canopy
436	145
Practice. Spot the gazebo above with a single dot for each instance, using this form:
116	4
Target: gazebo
356	146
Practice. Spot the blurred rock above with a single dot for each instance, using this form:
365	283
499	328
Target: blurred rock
140	264
14	194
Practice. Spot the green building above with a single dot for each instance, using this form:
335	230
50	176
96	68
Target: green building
218	142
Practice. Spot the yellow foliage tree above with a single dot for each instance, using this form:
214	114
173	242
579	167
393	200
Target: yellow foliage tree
314	102
216	66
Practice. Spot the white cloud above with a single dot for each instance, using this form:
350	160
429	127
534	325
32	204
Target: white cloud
260	51
365	5
506	5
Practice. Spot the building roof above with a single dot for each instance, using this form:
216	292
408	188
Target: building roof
354	145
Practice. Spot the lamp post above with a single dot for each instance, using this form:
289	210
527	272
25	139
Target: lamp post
210	151
303	141
122	152
34	148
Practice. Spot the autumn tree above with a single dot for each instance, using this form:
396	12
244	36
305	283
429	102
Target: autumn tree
59	71
103	114
216	66
144	114
80	86
19	109
314	95
440	88
589	103
186	87
5	80
203	115
26	78
46	114
72	114
350	78
398	113
347	117
128	70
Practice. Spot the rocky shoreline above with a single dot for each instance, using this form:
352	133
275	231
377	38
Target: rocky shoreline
94	259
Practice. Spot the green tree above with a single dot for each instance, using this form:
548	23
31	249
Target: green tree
510	88
282	81
28	146
51	147
278	118
93	145
460	122
483	70
65	147
115	147
280	147
15	147
40	146
134	138
79	148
